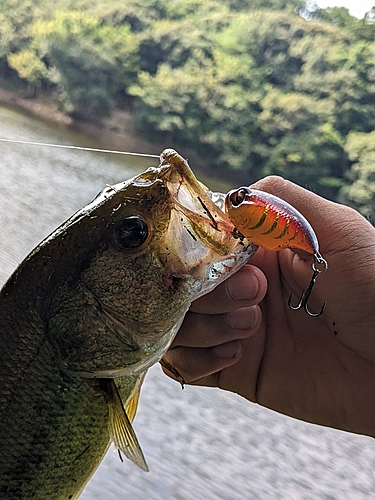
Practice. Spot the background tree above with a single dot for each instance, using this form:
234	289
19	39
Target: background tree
251	86
89	62
29	67
359	192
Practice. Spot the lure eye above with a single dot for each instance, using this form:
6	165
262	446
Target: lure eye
131	233
239	196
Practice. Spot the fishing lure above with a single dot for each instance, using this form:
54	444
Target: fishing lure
274	224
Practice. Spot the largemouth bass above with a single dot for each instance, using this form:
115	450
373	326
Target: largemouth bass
89	311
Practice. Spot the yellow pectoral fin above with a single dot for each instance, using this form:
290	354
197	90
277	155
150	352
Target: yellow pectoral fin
122	432
131	408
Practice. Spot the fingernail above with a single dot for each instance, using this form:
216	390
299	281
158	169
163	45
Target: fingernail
242	285
241	319
229	350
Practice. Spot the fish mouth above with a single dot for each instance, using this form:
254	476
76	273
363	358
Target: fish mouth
200	238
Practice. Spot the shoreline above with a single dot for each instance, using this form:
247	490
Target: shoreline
115	131
111	131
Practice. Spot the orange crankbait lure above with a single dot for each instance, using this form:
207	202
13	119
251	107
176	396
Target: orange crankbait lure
272	223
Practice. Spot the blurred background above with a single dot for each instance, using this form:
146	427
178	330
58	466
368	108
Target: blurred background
244	89
250	87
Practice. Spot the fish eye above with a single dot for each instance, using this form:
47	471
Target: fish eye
131	233
238	196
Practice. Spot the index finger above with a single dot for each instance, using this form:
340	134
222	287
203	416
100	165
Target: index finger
246	287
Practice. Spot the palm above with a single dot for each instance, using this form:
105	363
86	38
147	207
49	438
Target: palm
299	365
316	369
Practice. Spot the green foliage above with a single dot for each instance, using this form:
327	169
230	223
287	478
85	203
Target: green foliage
28	66
273	95
341	18
267	38
175	42
6	35
360	191
138	14
257	86
171	101
89	62
16	17
301	140
269	5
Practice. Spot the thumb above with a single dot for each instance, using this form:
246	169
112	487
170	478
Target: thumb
344	236
338	228
314	208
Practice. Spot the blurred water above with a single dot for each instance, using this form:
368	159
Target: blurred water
199	443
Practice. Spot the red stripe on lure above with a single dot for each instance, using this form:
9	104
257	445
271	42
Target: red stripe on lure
270	222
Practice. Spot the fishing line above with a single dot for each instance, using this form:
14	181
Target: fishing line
64	146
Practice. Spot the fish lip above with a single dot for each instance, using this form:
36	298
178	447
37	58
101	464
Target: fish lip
189	197
195	220
199	225
200	237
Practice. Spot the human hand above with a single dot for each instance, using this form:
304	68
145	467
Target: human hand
317	369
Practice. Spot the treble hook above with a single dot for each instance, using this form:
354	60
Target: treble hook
318	259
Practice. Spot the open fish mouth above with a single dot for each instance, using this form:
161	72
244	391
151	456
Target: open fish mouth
200	235
199	240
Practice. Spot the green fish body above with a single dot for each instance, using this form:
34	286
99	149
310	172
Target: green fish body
88	312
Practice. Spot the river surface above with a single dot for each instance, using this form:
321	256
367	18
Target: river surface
199	443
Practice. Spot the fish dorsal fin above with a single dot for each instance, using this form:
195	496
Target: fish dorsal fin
122	432
131	408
